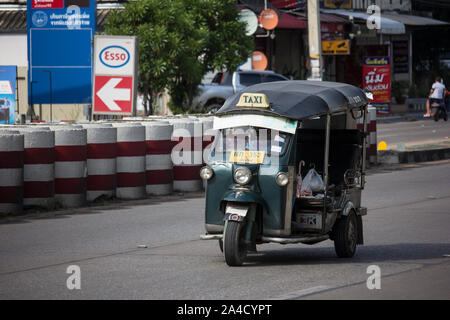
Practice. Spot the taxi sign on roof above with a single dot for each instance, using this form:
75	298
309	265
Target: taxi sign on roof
253	100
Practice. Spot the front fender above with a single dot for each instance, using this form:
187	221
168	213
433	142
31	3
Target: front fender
243	196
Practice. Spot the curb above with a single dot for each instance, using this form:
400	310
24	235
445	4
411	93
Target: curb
402	118
395	157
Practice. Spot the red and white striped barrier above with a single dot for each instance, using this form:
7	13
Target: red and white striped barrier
11	171
130	160
101	160
187	155
70	166
39	167
371	142
158	161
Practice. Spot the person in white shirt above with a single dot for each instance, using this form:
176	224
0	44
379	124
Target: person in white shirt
437	94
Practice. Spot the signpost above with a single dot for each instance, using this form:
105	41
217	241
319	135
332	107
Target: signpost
8	76
115	75
60	34
377	79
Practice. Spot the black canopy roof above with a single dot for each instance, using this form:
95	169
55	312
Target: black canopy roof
300	99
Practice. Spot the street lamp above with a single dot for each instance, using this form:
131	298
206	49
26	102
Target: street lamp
50	80
30	111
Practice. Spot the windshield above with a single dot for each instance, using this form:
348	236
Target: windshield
248	145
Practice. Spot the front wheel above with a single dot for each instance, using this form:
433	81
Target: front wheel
346	236
235	249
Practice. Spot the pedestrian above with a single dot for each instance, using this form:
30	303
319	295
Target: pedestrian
437	94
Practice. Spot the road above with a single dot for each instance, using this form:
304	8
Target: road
151	250
413	132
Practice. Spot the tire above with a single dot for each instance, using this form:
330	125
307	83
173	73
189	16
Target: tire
346	236
235	250
213	108
221	245
436	115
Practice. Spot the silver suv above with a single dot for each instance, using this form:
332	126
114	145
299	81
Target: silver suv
212	96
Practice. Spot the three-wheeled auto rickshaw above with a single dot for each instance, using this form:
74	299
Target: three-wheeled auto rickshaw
270	138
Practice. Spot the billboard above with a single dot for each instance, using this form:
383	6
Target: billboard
377	79
60	35
8	75
336	47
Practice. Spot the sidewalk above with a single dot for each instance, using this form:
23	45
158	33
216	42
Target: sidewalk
412	138
399	113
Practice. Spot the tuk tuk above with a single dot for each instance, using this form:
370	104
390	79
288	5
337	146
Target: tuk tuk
287	166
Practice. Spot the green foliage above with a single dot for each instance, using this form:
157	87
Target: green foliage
180	41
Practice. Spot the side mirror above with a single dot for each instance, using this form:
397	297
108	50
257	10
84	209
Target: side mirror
368	94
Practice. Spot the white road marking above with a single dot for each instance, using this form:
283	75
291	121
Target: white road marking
301	293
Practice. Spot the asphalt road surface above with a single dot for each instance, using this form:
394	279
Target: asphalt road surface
413	132
151	250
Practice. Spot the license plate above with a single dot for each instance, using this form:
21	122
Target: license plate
309	221
236	209
250	157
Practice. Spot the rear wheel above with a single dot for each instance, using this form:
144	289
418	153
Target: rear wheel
437	115
235	249
346	236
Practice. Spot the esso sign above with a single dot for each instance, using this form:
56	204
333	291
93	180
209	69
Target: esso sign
114	56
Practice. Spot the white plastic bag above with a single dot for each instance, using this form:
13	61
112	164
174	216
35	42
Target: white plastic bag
312	183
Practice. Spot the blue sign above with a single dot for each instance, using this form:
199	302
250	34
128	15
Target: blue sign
60	48
8	75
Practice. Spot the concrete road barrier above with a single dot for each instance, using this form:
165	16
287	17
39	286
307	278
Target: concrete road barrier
130	160
11	171
101	160
158	161
39	167
187	155
70	165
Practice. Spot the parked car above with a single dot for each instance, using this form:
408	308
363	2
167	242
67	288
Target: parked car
212	96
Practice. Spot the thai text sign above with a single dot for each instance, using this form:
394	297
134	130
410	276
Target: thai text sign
377	79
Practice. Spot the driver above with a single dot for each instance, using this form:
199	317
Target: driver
436	94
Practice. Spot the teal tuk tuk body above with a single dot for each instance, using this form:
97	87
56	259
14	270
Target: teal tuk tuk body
251	193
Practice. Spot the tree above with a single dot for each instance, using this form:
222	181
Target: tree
222	45
179	42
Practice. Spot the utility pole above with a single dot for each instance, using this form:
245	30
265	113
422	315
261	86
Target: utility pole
315	43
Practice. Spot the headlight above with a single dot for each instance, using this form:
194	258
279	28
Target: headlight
206	173
242	175
282	179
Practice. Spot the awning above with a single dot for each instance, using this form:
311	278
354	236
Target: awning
388	26
328	22
288	21
411	20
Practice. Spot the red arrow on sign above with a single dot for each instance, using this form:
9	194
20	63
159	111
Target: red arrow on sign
113	94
